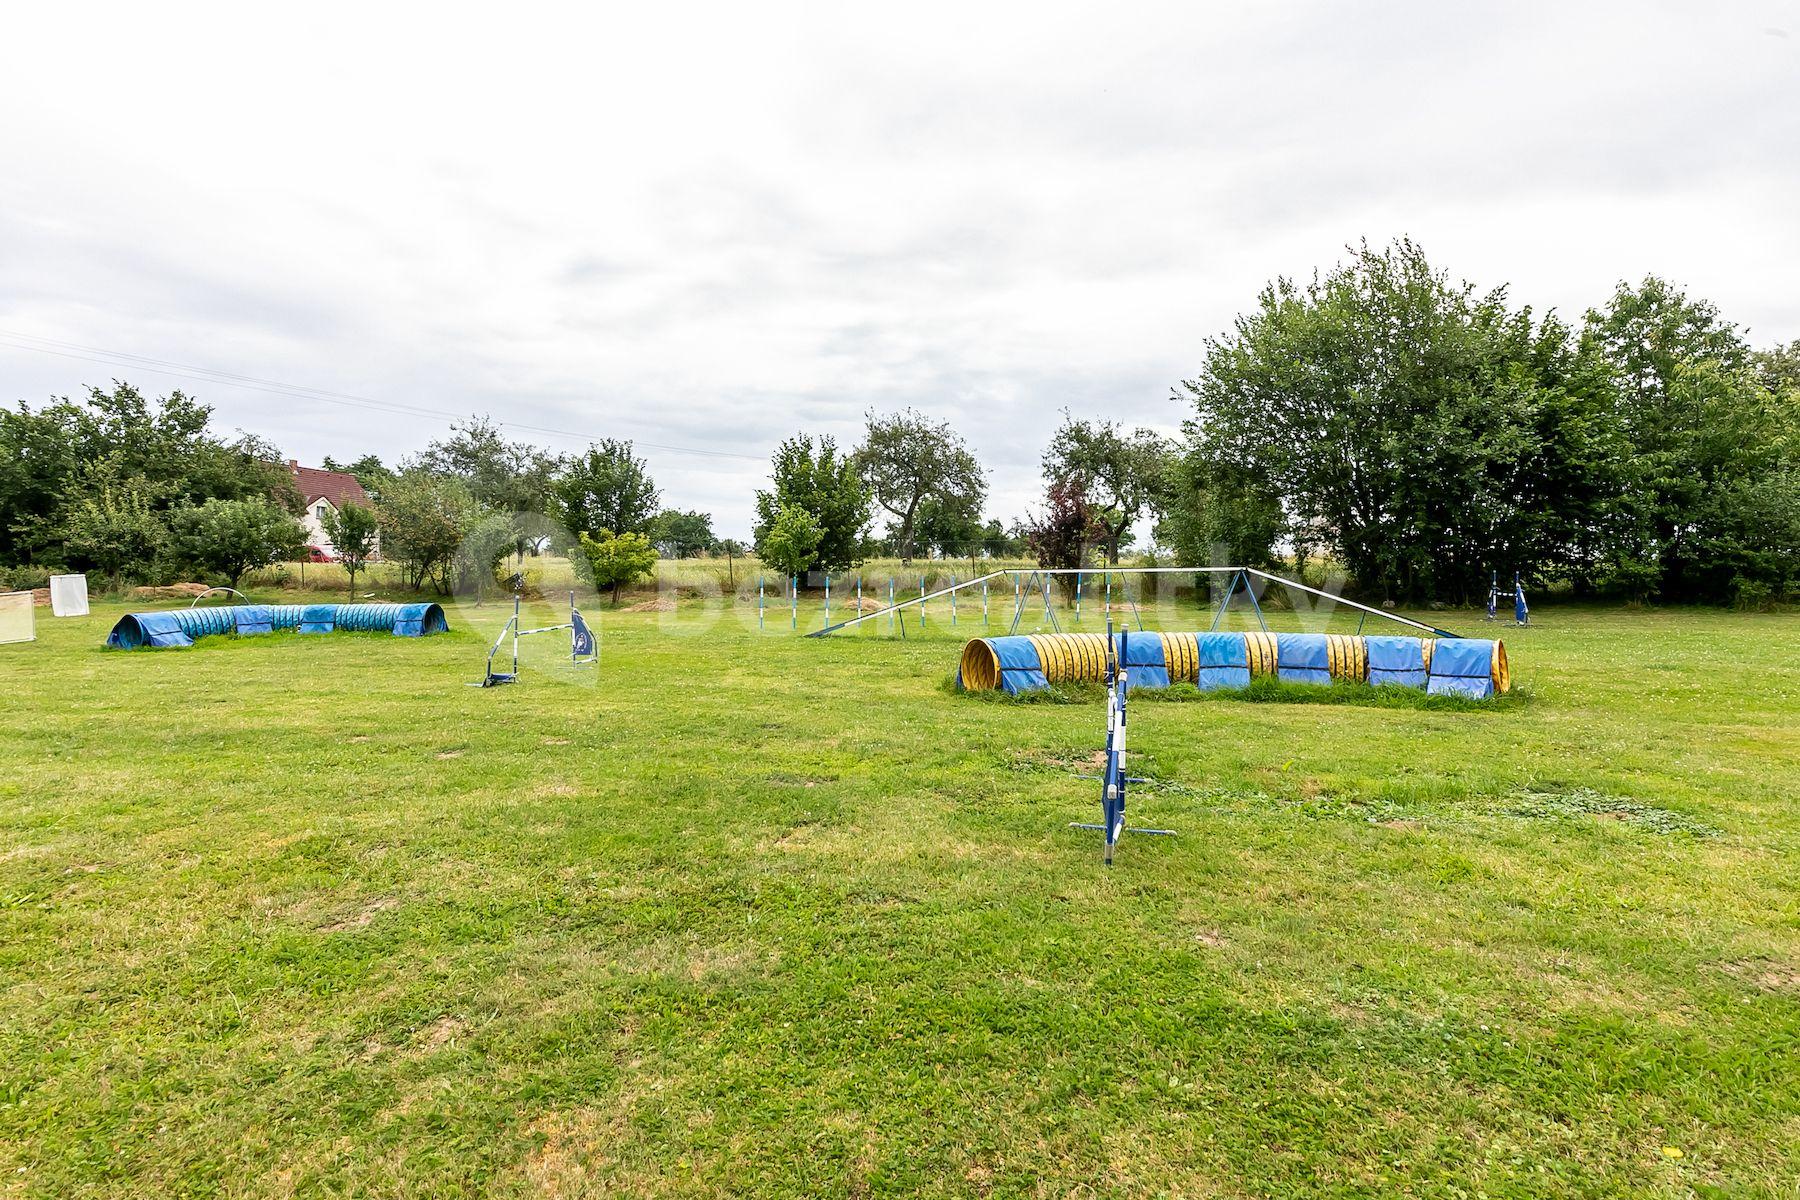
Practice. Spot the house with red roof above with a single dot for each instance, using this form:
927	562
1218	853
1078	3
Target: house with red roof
325	492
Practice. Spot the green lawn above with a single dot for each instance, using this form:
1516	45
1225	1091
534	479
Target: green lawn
749	914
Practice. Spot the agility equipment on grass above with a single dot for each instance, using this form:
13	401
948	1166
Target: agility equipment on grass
1034	582
583	650
182	626
1521	613
1114	782
18	617
68	596
1473	667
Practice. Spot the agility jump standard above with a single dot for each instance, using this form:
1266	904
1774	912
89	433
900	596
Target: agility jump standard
583	651
1114	782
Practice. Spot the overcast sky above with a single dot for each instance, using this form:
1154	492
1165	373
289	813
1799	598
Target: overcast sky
713	230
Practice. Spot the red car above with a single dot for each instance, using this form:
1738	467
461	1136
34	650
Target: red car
316	555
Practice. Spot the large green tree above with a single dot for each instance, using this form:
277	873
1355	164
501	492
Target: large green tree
1121	472
608	487
1420	431
502	475
230	537
424	520
54	459
906	460
683	534
1710	428
826	484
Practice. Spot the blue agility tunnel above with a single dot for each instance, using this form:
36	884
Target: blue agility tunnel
181	626
1441	666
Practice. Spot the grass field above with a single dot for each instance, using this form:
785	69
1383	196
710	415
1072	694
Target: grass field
746	914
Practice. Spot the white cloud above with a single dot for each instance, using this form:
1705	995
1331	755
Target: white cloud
716	230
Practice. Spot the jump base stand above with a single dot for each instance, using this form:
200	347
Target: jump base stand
584	651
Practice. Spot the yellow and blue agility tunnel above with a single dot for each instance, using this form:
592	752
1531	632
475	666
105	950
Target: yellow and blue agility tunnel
180	626
1474	667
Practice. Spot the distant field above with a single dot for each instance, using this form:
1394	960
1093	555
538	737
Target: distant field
750	914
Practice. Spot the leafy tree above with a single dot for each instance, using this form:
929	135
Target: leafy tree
1121	473
1067	530
607	488
1708	437
423	519
907	459
230	537
949	527
1219	514
824	484
354	533
505	476
617	559
681	534
791	544
997	542
54	458
114	530
1416	429
367	471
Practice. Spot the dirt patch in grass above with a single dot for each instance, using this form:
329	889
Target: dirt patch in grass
660	604
1771	975
362	916
438	1034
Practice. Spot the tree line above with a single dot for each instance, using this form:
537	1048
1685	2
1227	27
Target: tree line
1409	428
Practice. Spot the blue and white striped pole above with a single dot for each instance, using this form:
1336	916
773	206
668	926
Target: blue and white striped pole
921	601
893	615
984	602
827	597
1078	597
859	594
793	602
759	601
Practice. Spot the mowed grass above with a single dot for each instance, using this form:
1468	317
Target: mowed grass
747	914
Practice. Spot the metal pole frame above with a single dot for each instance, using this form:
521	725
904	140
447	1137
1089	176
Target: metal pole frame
1024	578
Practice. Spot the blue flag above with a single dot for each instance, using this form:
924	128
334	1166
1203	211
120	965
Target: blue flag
583	636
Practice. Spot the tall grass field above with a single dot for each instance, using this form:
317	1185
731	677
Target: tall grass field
742	913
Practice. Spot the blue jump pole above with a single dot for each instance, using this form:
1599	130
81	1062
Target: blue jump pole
1078	597
759	601
921	601
984	602
793	602
827	598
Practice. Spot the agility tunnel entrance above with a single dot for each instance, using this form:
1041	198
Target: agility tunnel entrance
180	627
1473	667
